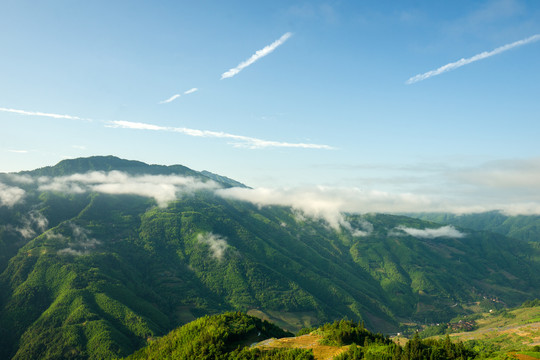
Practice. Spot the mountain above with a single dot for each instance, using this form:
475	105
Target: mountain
109	163
523	227
101	255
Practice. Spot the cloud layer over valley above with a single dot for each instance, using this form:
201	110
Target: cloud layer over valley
444	231
511	186
10	195
162	188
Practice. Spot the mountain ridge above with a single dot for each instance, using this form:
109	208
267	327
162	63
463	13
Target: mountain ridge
133	167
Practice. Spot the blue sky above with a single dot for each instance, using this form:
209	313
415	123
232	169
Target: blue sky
327	107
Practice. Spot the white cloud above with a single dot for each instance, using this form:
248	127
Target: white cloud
21	179
324	203
329	202
19	151
135	125
10	195
81	237
176	96
31	224
70	251
444	231
508	185
217	243
190	91
162	193
80	242
463	62
366	228
162	188
171	99
61	185
239	140
37	113
258	54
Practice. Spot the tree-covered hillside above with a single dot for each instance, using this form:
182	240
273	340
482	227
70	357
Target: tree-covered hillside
236	336
225	336
99	256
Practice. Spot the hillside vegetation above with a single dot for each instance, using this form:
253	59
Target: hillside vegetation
227	336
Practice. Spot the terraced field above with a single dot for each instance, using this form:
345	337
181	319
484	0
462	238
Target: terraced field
512	330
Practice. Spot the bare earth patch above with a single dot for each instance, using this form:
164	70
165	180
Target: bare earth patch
523	357
309	341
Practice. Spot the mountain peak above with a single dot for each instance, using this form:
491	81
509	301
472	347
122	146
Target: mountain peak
131	167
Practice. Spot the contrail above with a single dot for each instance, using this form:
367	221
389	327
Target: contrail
172	98
190	91
176	96
258	54
37	113
239	140
462	62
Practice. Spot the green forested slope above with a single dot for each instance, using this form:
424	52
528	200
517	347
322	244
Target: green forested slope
222	336
94	275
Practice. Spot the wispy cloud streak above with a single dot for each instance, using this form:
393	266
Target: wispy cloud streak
176	96
190	91
171	99
239	140
463	62
258	54
37	113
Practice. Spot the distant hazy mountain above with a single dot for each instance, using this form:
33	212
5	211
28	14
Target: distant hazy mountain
524	227
100	255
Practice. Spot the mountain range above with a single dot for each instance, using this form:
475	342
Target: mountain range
100	255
